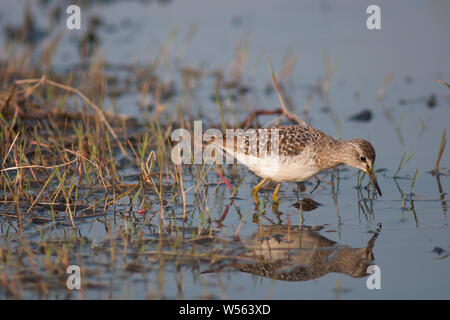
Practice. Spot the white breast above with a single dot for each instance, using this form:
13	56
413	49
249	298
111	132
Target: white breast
280	168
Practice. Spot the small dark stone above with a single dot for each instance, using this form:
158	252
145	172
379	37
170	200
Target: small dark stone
365	115
307	204
431	102
243	90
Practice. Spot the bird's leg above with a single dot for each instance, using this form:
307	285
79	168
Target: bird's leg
256	189
275	193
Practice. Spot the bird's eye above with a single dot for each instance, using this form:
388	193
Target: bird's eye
362	158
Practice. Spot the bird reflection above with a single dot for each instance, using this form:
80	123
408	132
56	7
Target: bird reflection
291	253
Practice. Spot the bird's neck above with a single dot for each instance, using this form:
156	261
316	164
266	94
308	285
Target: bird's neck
337	152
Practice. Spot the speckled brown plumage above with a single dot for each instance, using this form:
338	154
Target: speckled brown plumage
296	153
292	139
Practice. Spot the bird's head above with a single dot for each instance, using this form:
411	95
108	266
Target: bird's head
361	155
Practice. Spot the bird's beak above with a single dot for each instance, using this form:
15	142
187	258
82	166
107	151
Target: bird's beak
371	175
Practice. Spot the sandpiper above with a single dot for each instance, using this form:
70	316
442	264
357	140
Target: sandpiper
301	153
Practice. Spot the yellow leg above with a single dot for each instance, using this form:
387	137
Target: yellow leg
275	193
256	189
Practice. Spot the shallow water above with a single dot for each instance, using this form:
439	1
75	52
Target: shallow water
413	241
